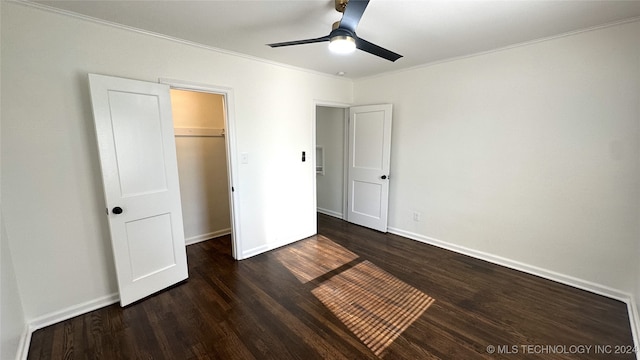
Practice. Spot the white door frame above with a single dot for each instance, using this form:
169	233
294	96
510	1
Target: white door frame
230	141
345	154
345	180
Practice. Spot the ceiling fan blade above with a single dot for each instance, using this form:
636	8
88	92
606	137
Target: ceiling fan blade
374	49
300	42
353	14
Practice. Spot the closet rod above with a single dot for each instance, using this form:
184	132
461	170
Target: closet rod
198	132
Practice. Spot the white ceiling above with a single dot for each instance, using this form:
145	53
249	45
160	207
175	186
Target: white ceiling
424	31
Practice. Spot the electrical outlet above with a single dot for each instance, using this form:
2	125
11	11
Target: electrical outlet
416	216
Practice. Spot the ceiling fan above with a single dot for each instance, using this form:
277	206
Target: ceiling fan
343	38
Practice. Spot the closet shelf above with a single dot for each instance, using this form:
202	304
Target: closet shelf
201	132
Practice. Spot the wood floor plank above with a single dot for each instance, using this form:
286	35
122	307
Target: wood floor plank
345	294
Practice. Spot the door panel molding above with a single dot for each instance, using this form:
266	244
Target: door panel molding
368	163
134	130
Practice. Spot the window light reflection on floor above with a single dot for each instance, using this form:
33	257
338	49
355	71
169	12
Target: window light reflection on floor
375	305
313	257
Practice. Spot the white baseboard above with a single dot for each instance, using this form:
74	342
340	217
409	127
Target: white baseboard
336	214
23	345
72	311
272	246
634	317
200	238
530	269
255	251
264	248
61	315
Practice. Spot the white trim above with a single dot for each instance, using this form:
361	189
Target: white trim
195	86
262	60
507	47
333	104
258	250
628	299
25	342
345	164
167	37
314	161
335	214
232	152
512	264
634	321
271	246
72	311
204	237
634	316
314	143
61	315
345	107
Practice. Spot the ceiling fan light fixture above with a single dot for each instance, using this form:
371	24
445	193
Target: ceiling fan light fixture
342	38
342	44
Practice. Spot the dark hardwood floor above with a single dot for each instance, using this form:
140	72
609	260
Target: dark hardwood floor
348	293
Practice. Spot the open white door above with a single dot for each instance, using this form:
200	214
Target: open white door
368	165
137	149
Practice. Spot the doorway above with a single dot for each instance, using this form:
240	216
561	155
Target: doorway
331	149
352	180
217	133
199	127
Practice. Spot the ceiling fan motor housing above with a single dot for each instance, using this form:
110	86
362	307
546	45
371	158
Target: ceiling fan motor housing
340	5
342	32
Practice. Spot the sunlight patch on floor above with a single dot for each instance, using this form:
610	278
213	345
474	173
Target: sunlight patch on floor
314	257
375	305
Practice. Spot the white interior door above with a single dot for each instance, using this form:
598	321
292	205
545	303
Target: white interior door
368	165
137	149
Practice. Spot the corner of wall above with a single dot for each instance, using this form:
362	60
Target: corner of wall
634	316
38	323
23	345
14	329
634	322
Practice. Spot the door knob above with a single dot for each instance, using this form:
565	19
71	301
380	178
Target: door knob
383	177
117	210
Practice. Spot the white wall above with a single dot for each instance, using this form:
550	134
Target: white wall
51	184
529	154
633	313
637	279
202	165
636	294
330	135
12	321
